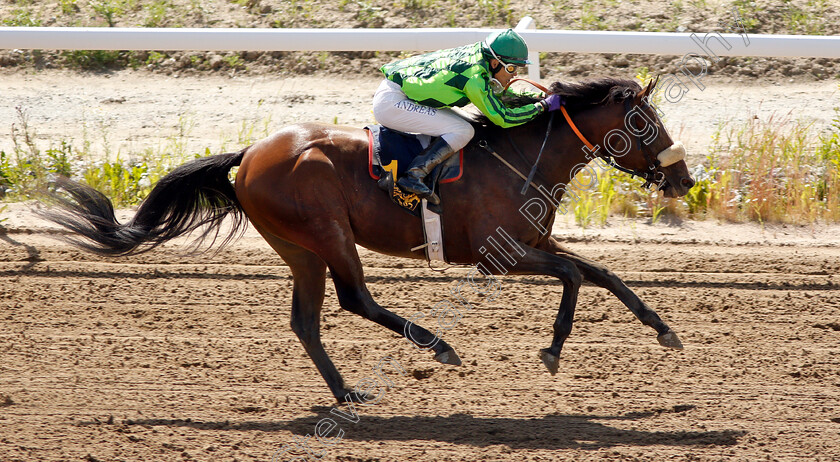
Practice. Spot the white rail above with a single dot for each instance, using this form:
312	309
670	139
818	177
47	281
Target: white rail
217	39
116	38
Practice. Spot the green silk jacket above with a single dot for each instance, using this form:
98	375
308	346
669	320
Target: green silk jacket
454	78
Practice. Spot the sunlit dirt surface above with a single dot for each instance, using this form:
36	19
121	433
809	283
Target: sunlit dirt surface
167	357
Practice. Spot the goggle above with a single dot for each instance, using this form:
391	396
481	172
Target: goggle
510	68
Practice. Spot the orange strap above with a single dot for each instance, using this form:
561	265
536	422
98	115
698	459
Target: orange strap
540	87
562	109
575	129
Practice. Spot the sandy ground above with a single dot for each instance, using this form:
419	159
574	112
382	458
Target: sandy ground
127	112
166	357
171	357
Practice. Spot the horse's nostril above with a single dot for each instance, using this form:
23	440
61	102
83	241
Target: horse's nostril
688	183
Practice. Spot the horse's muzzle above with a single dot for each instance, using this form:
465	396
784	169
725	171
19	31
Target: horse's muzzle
672	164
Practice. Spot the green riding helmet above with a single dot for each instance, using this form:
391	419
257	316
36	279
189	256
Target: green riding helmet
509	46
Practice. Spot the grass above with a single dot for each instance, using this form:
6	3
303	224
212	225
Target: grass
125	178
778	170
68	7
110	10
590	19
617	194
495	12
21	18
808	20
157	14
93	59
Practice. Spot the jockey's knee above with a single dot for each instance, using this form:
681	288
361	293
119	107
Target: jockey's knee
459	136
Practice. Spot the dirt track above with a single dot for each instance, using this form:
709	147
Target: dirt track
166	357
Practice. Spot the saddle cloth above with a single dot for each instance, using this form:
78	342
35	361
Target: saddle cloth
389	154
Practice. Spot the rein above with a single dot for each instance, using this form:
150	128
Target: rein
529	180
539	156
654	177
483	144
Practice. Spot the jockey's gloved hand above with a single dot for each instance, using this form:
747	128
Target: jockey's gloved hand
553	102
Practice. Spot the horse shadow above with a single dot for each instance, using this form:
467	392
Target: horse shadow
555	431
33	254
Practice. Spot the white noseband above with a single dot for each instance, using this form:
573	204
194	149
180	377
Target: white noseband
672	154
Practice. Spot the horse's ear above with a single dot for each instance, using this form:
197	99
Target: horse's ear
648	90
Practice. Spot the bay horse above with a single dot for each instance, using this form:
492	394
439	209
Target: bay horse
306	189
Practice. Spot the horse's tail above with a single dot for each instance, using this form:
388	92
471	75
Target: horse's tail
194	195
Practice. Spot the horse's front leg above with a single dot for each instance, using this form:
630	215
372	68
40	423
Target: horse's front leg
539	262
602	277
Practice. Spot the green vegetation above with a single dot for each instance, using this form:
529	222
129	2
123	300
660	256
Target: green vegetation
749	12
809	20
590	20
125	178
415	4
22	18
109	10
777	170
68	6
93	59
157	14
496	12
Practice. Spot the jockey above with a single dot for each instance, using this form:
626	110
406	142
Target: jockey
418	92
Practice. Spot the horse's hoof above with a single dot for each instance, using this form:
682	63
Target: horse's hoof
353	397
449	357
551	362
670	340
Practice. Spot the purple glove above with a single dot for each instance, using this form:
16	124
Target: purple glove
553	102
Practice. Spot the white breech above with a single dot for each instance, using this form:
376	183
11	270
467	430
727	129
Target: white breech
396	111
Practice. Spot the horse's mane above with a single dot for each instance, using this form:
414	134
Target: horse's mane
577	95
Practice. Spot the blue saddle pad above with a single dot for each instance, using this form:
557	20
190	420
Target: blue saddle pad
393	150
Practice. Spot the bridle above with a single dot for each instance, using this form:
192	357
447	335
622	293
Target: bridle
652	175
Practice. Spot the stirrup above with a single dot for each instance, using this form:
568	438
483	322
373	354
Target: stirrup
412	184
428	194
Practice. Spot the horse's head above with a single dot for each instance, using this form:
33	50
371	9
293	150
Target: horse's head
619	124
638	143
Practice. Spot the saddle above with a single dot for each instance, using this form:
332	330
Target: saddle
389	154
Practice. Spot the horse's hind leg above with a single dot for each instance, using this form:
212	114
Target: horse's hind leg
602	277
339	252
309	273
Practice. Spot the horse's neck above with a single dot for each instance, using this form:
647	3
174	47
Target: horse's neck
562	152
570	148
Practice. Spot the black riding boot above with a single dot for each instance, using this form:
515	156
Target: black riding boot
436	153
